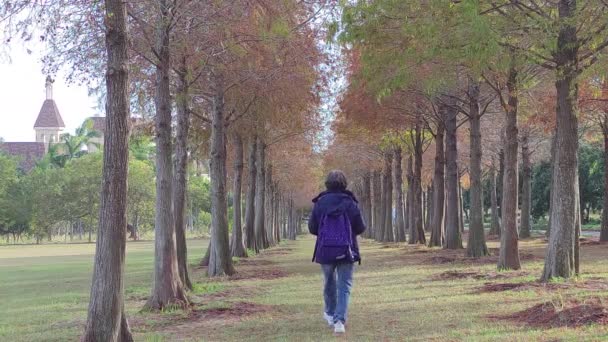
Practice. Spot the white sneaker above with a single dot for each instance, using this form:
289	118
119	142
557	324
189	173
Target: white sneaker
329	319
339	328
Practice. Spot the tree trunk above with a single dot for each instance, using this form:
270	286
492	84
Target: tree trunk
410	202
168	289
417	203
495	223
509	249
429	209
378	206
387	230
453	238
250	201
292	218
260	193
106	319
237	249
604	232
277	213
476	246
367	203
180	180
438	184
460	207
548	232
283	219
501	174
268	206
398	174
526	188
564	195
220	262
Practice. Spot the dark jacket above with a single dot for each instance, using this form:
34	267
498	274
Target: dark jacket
328	201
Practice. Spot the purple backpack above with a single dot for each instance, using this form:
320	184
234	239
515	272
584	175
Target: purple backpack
334	241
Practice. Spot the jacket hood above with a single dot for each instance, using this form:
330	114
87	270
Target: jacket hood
338	194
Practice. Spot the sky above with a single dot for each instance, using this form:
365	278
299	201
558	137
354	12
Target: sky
22	93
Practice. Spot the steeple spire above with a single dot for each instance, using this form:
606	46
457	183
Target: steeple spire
49	88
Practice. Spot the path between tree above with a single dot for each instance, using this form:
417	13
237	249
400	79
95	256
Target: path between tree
401	293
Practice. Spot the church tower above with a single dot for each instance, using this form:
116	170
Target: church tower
49	123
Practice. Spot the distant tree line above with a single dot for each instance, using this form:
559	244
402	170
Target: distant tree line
59	198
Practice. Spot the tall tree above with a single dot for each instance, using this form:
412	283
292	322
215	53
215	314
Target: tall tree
220	262
237	248
106	319
260	194
509	245
398	175
476	246
437	231
251	242
387	192
453	237
168	289
180	181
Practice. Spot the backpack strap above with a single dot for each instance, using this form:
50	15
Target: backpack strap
314	253
350	232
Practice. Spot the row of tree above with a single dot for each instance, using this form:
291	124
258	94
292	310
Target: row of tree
511	71
216	77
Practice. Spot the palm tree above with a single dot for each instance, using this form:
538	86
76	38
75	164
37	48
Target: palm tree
54	157
71	146
75	144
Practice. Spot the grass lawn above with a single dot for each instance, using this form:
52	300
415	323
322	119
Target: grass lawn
44	289
400	293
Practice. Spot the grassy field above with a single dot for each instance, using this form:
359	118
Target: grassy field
401	293
44	289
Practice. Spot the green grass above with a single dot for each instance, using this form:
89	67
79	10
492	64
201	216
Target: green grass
44	289
395	297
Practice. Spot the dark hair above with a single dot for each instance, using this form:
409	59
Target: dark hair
336	180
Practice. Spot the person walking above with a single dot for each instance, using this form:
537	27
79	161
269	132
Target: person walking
336	221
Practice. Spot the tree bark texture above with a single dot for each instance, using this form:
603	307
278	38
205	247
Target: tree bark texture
453	238
168	289
526	189
237	248
438	184
559	259
291	219
476	246
509	240
604	231
220	262
387	230
378	206
495	220
460	206
417	202
106	320
180	180
367	202
429	209
398	175
410	202
268	206
260	193
250	239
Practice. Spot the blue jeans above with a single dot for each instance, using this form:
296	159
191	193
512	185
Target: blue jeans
337	291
